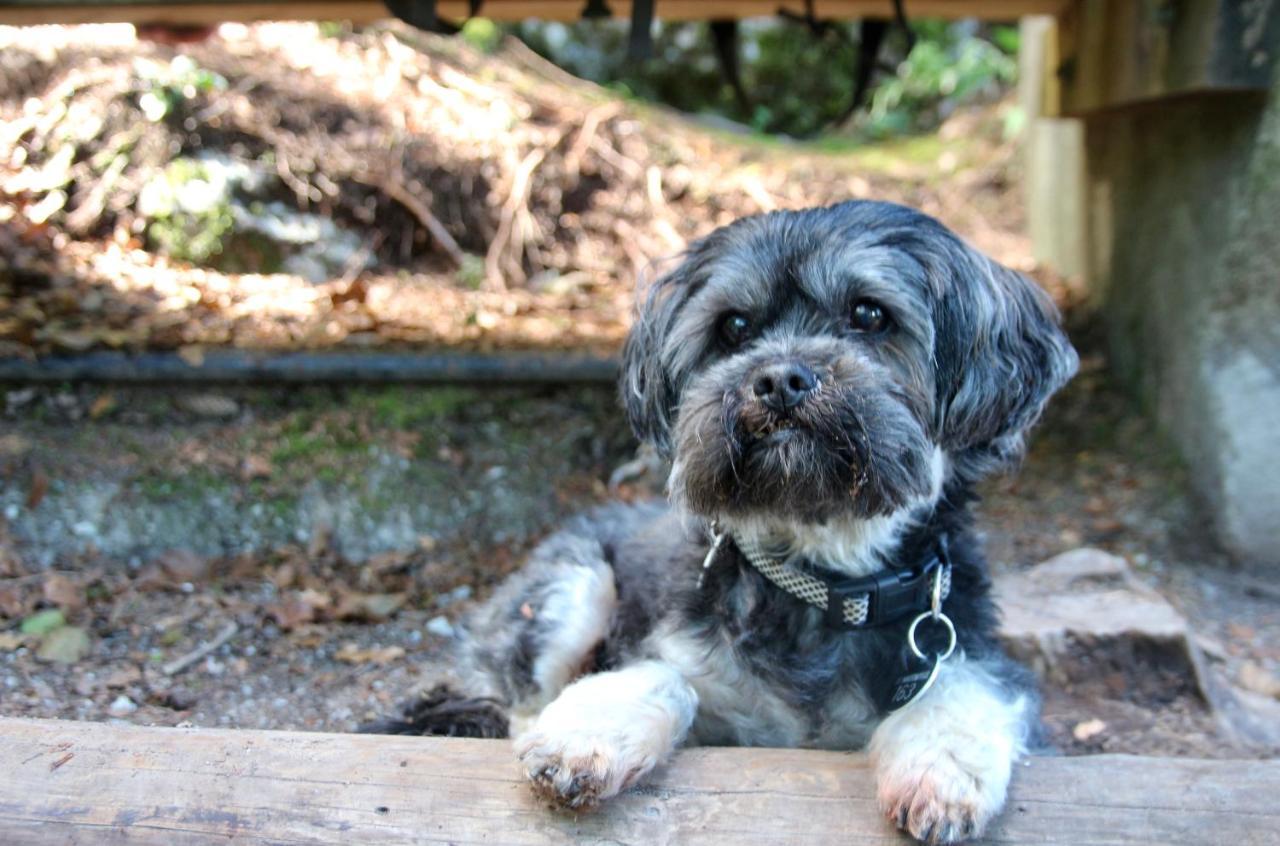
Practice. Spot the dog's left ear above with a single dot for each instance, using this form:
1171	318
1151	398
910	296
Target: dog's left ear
1001	354
650	382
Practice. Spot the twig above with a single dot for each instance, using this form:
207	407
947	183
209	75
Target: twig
419	210
507	232
179	664
751	186
586	135
606	151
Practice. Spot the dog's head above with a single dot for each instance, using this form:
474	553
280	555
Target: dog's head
837	363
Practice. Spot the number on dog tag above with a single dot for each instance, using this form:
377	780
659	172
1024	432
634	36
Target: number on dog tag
915	676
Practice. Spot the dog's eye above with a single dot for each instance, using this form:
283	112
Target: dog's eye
734	329
868	317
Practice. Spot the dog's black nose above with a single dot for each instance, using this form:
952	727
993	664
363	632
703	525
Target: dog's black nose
783	386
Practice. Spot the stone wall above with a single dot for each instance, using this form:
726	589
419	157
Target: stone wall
1183	196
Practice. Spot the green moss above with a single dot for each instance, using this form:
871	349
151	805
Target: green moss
194	483
412	408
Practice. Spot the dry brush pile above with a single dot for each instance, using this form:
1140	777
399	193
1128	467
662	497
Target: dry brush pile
486	201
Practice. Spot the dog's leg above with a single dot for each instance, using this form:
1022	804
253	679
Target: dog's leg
605	732
943	763
540	629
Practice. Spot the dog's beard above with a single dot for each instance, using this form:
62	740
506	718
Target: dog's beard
850	450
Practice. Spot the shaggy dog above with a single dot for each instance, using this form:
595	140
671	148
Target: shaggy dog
829	384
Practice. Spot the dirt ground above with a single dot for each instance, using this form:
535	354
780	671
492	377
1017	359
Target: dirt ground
314	640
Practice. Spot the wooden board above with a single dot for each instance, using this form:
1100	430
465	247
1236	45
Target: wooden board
105	11
1115	53
80	783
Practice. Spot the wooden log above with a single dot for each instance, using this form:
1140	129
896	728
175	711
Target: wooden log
65	782
129	11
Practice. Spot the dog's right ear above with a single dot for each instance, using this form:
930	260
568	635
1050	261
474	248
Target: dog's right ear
650	389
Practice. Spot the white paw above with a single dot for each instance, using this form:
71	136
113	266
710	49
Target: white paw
604	733
943	763
581	768
941	803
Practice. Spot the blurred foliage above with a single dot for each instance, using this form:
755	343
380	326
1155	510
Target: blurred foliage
189	211
166	88
797	82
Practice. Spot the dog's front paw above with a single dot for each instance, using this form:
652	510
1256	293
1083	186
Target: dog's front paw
941	803
579	768
606	732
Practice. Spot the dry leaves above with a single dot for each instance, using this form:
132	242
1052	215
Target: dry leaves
550	188
350	653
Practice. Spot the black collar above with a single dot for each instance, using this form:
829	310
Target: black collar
880	599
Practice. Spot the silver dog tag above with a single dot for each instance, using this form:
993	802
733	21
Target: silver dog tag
912	684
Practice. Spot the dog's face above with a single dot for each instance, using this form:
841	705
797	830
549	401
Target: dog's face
833	363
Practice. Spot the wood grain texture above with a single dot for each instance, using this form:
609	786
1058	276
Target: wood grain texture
64	782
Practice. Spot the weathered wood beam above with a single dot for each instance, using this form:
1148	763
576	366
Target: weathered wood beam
26	12
70	782
1118	52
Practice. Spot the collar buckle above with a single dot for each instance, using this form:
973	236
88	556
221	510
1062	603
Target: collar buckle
891	595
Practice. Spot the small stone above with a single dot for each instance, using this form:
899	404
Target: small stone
213	406
1088	729
440	627
122	706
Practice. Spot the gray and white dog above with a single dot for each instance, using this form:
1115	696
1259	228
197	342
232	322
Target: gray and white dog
828	384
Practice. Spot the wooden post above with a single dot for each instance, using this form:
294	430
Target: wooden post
71	782
1053	148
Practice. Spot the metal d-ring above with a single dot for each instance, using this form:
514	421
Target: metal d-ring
941	618
935	596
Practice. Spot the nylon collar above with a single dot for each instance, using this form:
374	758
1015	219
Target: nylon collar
882	598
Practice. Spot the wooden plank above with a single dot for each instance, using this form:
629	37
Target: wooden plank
28	12
70	782
1119	52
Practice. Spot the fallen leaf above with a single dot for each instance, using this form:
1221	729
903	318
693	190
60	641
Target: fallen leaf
1088	729
38	488
256	467
1253	676
123	677
1241	631
181	565
43	622
10	641
284	577
65	645
63	592
15	602
369	607
192	354
351	654
321	541
103	405
298	608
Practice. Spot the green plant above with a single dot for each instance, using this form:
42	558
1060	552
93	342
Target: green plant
482	34
188	211
944	69
165	88
797	83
